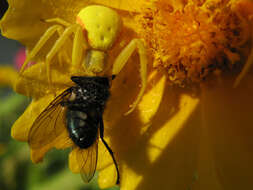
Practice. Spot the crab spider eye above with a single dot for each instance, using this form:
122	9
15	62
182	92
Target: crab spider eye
102	25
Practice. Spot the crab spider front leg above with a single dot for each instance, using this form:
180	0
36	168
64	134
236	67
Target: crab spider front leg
79	41
77	47
49	33
122	59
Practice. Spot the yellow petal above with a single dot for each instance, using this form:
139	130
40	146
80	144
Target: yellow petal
8	76
107	177
37	155
34	82
61	142
73	165
104	157
140	153
24	26
227	117
28	26
133	5
151	100
166	155
206	175
107	170
21	127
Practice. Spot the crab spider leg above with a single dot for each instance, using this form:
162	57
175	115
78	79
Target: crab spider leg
58	44
59	21
49	33
78	43
63	55
76	54
122	59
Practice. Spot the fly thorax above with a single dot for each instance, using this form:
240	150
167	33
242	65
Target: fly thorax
78	94
89	93
95	61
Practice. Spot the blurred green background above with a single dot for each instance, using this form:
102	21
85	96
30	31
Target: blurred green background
17	172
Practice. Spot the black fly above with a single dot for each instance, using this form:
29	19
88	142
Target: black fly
81	106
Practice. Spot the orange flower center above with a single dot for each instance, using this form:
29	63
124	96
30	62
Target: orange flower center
203	38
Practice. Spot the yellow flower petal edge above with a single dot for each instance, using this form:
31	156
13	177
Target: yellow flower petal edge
8	76
23	26
21	127
61	142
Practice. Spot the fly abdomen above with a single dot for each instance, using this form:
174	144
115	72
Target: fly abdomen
82	129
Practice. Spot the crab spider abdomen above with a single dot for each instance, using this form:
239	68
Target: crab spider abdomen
102	25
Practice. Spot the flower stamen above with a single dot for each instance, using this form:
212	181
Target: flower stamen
197	41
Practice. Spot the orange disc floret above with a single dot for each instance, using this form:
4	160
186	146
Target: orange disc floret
201	38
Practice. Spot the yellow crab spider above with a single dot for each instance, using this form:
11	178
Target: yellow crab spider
102	26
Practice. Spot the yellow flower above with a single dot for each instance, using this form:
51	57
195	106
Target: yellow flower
196	137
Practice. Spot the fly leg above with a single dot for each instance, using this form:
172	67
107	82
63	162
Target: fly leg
108	148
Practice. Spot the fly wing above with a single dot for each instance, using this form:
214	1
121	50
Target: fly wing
87	159
49	124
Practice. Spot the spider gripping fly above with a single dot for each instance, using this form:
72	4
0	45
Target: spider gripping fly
81	107
93	35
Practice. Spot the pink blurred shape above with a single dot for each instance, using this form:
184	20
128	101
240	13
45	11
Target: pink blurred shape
20	58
